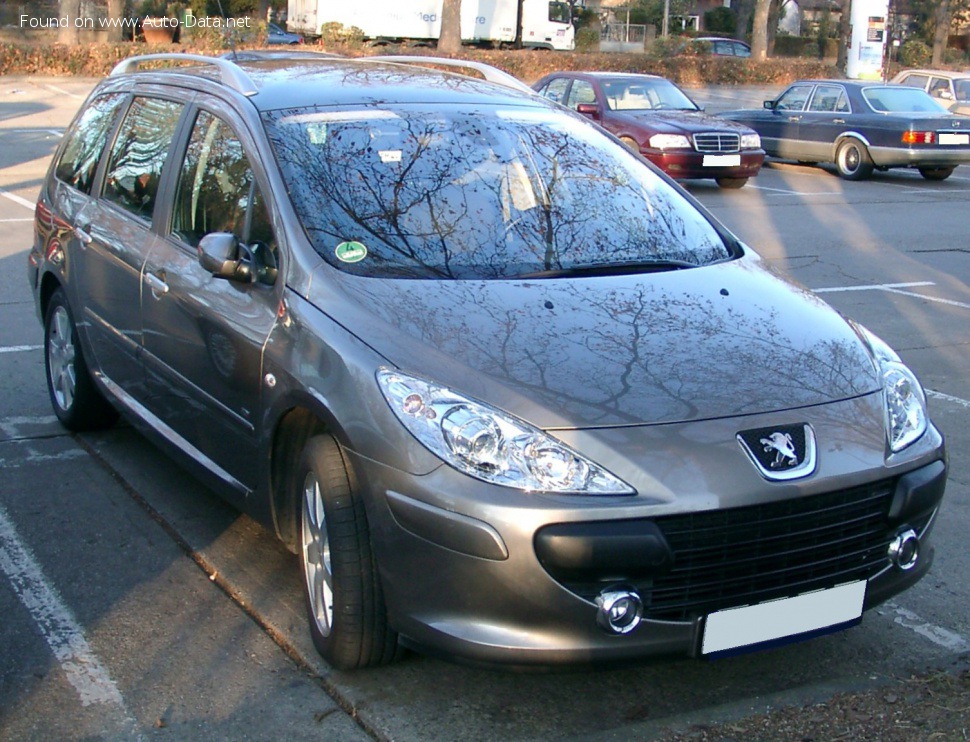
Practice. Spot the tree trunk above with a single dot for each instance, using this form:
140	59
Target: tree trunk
116	16
745	9
759	32
845	36
68	10
774	17
450	40
942	32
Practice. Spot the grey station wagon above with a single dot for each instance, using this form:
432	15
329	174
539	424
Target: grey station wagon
510	393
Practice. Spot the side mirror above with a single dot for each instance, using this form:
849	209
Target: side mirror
769	104
219	254
588	109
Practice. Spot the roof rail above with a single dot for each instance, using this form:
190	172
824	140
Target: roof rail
490	73
230	74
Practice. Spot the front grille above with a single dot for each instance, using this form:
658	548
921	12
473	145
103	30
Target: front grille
714	141
738	556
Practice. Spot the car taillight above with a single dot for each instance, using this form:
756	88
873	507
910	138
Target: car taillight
919	137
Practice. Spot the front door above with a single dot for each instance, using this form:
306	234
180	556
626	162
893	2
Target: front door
204	336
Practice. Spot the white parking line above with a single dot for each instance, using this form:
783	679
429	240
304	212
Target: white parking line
948	302
947	398
25	219
874	287
20	348
65	92
793	193
936	634
17	199
57	625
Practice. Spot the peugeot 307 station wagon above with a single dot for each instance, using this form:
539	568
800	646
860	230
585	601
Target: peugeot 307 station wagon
507	390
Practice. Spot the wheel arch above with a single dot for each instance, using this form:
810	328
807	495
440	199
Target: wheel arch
299	419
49	283
861	138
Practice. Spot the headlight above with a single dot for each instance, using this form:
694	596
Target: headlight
489	444
750	141
906	417
669	141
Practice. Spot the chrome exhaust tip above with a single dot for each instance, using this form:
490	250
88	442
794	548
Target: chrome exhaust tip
619	610
904	549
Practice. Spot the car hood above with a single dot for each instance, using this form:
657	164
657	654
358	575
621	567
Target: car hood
724	340
687	122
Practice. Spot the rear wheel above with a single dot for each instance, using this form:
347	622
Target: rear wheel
936	173
77	402
345	604
852	160
731	182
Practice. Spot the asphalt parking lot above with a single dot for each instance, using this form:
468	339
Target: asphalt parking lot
135	604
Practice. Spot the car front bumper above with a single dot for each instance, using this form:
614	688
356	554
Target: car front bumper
687	165
496	576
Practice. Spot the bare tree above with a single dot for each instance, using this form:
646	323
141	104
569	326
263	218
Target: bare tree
759	32
449	41
942	32
68	10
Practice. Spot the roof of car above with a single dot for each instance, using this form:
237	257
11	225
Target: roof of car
298	81
936	73
604	74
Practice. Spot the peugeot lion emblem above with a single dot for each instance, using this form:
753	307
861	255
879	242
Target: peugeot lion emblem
782	452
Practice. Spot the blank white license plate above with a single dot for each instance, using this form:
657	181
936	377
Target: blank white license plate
736	629
722	160
954	139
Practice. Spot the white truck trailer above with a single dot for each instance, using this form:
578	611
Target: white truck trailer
545	24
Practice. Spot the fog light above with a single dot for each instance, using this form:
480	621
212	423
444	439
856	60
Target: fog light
620	610
904	549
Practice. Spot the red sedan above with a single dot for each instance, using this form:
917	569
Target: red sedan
654	117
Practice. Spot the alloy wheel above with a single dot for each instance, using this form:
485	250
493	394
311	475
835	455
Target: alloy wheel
316	555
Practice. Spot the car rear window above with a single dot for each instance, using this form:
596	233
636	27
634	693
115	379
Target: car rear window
900	99
491	193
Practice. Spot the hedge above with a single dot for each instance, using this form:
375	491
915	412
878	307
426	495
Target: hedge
96	60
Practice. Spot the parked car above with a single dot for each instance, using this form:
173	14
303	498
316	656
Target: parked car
952	89
507	390
654	117
721	47
277	35
861	126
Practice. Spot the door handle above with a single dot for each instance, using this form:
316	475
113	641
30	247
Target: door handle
794	119
838	121
157	285
83	236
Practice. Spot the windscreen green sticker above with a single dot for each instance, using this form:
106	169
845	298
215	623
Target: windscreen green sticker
351	252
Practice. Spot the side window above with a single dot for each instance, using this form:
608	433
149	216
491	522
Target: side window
581	92
556	89
218	193
828	98
559	12
794	98
915	81
138	154
86	141
940	88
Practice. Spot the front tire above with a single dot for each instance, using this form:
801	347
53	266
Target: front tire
936	173
852	160
77	401
345	604
731	182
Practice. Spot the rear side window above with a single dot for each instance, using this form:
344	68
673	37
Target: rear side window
85	142
139	152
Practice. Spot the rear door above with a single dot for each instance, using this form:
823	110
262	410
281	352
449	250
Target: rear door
204	336
826	117
117	232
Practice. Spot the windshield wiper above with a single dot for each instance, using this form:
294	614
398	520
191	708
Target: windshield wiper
612	269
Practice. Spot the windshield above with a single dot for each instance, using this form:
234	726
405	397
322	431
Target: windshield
489	193
900	99
645	94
